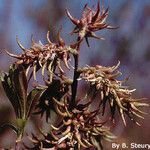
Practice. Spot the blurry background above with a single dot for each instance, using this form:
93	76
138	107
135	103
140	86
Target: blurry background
130	44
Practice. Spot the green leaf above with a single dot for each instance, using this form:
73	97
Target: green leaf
9	125
17	126
15	86
19	82
32	98
10	93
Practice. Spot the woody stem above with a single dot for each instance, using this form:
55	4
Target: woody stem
74	85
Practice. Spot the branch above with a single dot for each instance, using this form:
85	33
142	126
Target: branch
74	85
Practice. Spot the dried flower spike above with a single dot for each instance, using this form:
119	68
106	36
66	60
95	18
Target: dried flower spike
90	22
79	128
45	57
104	81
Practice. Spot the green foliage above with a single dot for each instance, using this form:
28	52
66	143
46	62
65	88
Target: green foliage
15	85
